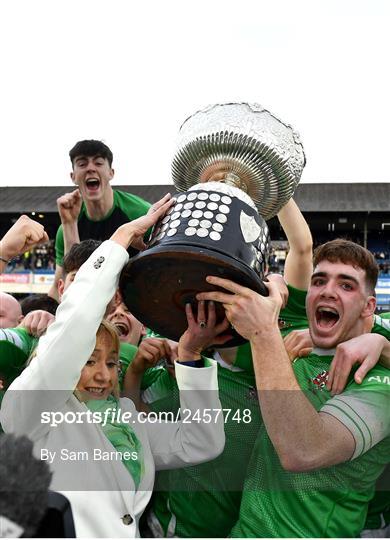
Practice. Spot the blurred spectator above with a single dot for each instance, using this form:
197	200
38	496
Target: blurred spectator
38	258
10	311
38	301
24	234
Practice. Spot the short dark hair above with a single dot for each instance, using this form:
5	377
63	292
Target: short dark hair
78	254
91	148
38	301
347	252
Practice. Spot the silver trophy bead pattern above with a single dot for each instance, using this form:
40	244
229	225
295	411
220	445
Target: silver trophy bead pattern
209	222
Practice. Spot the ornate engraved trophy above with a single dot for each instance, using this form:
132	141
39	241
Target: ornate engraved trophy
236	165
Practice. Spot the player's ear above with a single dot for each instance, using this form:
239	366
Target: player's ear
60	287
72	177
369	308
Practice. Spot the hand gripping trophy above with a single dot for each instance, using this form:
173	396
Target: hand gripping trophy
236	165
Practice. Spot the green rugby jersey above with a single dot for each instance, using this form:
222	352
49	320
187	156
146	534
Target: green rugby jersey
125	208
204	500
127	351
327	502
16	345
378	515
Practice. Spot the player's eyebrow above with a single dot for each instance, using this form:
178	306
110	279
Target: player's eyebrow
339	276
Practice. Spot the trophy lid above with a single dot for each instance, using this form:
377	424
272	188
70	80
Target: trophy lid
243	145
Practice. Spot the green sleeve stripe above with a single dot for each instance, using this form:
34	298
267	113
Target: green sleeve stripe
358	417
13	337
351	421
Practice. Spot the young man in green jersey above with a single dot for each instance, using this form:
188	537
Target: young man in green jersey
94	210
316	459
204	500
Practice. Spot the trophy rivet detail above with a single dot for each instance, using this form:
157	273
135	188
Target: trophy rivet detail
175	215
200	204
208	215
217	227
181	198
193	222
215	236
188	205
221	218
165	220
197	214
190	231
191	196
203	196
171	232
186	213
226	200
214	197
202	232
224	209
175	224
212	206
178	207
205	223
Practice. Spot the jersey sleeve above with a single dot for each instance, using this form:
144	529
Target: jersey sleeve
127	351
16	345
59	246
382	325
293	316
132	205
364	409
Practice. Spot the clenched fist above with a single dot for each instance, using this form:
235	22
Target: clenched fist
22	236
69	206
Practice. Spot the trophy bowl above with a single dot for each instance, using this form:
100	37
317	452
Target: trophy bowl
243	145
236	165
213	229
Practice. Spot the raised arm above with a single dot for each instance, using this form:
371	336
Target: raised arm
70	340
298	266
303	438
69	206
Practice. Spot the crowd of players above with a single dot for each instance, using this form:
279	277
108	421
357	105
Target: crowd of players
308	433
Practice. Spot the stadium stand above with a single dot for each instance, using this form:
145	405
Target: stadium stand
359	212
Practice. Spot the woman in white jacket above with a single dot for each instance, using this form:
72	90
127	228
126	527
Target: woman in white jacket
104	466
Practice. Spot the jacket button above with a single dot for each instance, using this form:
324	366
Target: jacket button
127	519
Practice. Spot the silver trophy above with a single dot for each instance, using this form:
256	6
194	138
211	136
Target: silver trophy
236	166
242	145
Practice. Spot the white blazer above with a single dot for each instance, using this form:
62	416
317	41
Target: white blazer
104	499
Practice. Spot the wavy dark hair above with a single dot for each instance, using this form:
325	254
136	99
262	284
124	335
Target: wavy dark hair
91	148
347	252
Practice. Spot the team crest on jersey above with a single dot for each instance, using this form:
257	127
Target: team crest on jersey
319	381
